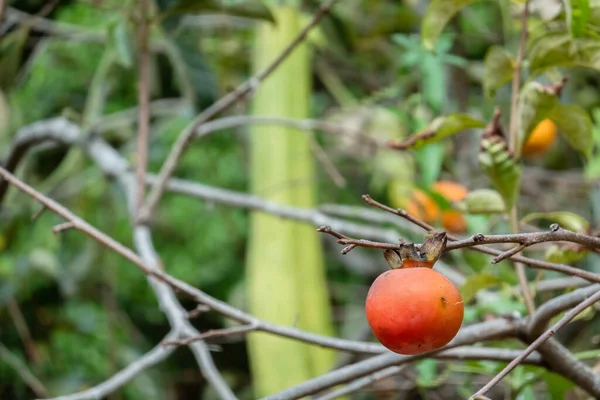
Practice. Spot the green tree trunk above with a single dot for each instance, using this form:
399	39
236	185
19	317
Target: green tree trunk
286	273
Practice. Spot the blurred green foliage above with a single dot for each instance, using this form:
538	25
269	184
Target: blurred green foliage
392	69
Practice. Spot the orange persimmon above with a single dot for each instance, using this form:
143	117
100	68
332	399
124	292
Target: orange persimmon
414	310
541	139
425	208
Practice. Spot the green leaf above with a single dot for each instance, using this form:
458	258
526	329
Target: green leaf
498	69
559	49
576	126
427	372
562	255
119	38
536	105
430	160
482	201
477	282
500	166
578	14
445	126
476	261
557	385
565	219
437	16
247	8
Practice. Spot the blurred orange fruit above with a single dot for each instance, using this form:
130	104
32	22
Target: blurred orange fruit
540	140
423	207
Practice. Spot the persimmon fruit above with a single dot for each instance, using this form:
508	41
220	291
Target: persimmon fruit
541	139
425	208
414	309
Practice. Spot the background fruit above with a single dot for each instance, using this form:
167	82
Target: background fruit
425	208
540	140
414	310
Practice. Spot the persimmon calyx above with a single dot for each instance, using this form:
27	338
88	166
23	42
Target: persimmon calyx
410	255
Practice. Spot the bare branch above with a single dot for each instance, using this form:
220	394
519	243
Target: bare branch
360	383
509	253
158	354
113	165
472	334
461	353
528	239
595	389
473	243
328	165
63	227
555	306
561	361
147	252
225	102
22	329
200	308
236	330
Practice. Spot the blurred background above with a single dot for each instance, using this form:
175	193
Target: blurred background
73	313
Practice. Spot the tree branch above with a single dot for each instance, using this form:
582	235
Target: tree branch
471	243
555	306
472	334
147	253
236	330
593	389
458	354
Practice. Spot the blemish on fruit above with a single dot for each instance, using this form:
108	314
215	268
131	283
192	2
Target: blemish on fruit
444	301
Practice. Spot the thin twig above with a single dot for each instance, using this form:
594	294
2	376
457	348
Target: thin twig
328	165
563	268
555	306
473	243
540	340
509	253
22	329
225	102
19	366
143	102
236	330
200	308
63	227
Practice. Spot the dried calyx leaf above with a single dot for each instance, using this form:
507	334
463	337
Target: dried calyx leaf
555	89
393	259
411	255
433	247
